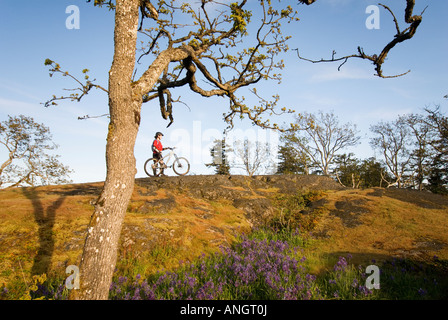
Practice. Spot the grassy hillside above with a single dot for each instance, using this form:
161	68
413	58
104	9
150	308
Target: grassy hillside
380	224
174	219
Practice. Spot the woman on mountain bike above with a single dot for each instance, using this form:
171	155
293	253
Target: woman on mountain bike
157	149
155	166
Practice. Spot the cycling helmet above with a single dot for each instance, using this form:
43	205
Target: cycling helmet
158	134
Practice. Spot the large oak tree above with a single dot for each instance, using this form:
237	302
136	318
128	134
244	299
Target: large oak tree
225	44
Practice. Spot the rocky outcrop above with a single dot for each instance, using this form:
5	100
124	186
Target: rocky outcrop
234	187
250	194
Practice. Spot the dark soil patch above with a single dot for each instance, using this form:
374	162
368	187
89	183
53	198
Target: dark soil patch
349	211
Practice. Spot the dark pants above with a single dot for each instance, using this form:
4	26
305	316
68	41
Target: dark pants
158	156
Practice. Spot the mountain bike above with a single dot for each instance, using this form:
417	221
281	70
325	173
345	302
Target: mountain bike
153	166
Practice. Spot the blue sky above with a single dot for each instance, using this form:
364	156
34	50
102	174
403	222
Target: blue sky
28	37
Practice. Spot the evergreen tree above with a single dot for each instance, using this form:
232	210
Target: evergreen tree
355	173
219	157
347	170
373	173
291	161
438	176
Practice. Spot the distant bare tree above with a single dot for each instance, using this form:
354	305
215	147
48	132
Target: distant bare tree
253	157
393	139
422	152
321	137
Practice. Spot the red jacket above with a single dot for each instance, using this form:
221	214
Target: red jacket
157	145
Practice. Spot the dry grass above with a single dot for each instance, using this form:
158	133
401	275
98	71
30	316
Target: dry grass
369	227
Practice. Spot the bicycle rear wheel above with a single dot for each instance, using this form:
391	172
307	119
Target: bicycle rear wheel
153	167
181	166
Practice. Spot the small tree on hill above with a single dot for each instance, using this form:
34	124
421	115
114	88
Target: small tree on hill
29	162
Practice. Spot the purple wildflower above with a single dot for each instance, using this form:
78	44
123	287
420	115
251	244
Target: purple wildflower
364	290
341	264
422	292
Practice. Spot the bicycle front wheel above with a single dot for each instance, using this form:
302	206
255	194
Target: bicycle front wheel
153	167
181	166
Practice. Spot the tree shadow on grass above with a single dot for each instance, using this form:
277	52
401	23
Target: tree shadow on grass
45	219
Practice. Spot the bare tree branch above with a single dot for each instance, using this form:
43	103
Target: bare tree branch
83	90
379	59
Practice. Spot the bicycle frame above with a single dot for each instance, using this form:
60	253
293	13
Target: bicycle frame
168	157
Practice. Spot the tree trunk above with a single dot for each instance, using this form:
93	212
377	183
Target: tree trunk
125	101
101	246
